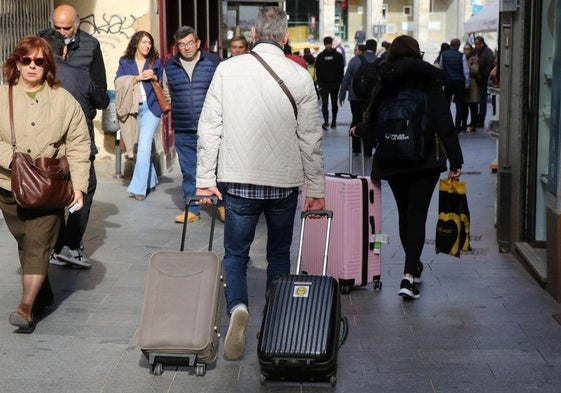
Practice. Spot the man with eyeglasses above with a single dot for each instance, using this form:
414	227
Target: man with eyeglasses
82	51
186	79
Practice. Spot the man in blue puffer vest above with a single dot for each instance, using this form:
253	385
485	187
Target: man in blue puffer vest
456	72
186	79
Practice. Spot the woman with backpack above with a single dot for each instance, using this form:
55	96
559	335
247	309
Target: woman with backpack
410	124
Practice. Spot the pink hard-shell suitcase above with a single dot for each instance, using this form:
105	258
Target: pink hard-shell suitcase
355	254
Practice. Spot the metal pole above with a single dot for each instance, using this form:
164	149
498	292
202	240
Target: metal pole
118	154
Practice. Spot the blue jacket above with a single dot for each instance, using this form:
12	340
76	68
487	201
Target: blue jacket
128	67
188	96
352	68
451	62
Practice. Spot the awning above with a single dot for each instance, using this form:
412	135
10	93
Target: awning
486	20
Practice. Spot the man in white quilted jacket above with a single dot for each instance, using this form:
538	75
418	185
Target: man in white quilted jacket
265	149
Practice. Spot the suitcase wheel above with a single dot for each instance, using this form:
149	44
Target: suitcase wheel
345	289
157	369
200	369
377	282
262	379
333	380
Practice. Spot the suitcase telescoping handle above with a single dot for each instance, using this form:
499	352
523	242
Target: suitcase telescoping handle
351	154
329	215
194	198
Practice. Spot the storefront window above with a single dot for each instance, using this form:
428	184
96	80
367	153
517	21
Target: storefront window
543	119
303	20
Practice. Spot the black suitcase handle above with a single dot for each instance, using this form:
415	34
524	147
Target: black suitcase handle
304	215
194	198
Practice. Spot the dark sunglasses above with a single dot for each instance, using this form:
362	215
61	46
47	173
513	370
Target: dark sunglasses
26	60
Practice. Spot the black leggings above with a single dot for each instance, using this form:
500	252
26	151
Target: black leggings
413	193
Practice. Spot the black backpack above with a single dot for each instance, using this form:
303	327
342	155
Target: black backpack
402	126
365	78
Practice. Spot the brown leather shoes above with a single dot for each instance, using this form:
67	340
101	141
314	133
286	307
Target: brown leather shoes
221	213
191	217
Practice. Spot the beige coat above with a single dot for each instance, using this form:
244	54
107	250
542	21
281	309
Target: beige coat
51	125
472	92
247	125
127	98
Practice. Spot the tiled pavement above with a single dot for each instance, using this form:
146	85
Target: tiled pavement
482	323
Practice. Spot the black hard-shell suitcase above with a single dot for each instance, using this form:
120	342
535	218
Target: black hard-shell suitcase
302	327
183	306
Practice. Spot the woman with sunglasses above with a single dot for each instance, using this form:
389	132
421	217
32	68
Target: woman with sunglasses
139	66
48	122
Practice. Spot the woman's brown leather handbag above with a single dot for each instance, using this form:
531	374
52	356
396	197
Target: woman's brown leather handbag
165	105
41	183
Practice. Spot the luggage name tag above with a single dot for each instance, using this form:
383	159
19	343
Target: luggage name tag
377	240
301	289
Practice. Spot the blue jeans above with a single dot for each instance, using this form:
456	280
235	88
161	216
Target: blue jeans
186	147
242	216
144	176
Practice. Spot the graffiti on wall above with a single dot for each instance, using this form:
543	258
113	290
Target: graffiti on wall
111	24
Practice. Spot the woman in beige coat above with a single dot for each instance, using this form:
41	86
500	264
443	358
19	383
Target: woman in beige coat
48	122
472	95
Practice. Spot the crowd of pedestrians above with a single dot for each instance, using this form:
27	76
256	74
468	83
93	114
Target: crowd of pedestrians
216	146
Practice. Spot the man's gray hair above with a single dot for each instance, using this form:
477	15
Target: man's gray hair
271	24
183	32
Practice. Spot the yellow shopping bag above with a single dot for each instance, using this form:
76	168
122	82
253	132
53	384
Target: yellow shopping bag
453	226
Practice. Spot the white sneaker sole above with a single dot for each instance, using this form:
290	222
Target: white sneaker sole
408	294
234	343
56	262
72	261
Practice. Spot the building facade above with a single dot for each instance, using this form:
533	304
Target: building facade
529	187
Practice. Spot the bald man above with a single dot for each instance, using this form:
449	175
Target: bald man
83	51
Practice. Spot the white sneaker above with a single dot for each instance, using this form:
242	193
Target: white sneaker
234	343
53	260
74	257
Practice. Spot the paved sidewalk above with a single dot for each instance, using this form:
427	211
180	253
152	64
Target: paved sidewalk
482	323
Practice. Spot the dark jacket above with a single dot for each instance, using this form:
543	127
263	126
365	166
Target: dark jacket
451	62
88	92
486	62
188	96
415	73
330	67
128	67
85	52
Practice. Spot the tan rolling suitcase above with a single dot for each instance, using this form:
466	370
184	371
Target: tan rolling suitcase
183	306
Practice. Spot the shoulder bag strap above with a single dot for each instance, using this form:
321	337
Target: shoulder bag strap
11	111
279	81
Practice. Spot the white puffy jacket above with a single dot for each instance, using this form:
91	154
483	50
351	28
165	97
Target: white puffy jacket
248	125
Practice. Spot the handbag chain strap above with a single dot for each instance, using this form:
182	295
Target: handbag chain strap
279	81
11	112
